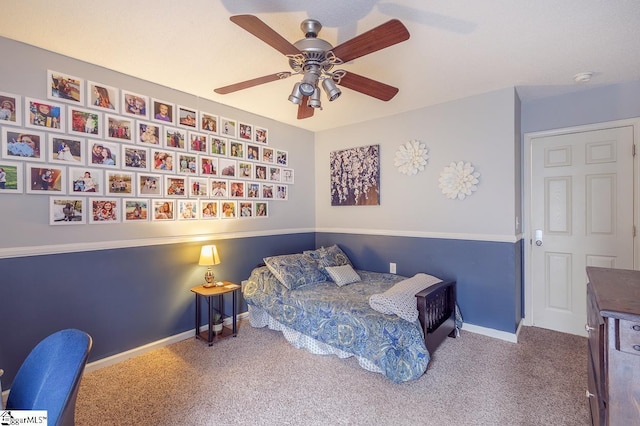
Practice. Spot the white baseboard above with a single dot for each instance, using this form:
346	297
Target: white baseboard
490	332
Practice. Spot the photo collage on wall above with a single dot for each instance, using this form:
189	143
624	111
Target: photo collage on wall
108	155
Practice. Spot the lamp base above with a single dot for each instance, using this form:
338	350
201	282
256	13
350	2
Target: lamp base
208	285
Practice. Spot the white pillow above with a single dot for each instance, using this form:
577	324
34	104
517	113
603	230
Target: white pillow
401	298
342	275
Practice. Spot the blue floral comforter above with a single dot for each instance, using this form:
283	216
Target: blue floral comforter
341	317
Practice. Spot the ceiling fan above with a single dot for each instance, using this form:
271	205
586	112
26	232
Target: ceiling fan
314	59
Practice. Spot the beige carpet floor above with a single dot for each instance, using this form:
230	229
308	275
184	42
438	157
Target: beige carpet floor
257	378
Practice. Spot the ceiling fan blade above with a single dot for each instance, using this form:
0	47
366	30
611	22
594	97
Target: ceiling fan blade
304	111
367	86
385	35
250	83
265	33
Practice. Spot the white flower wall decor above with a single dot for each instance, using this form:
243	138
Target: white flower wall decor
458	180
411	157
355	176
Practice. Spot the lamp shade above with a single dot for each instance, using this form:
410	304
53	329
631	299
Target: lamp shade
209	256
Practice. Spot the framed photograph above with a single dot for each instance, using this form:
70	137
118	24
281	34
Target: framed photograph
103	97
66	149
253	152
282	192
187	209
261	209
268	191
282	157
162	161
245	131
175	186
245	208
227	167
198	187
10	109
187	117
135	210
268	155
104	210
118	128
209	209
119	183
208	122
288	175
65	87
175	138
84	122
245	169
46	180
22	144
198	142
163	209
237	189
135	157
219	188
135	105
187	163
218	146
260	135
253	190
149	184
148	133
228	127
103	154
85	180
11	176
261	172
236	149
275	173
229	209
67	210
208	165
44	115
162	111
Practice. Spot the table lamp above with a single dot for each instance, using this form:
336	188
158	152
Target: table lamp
209	257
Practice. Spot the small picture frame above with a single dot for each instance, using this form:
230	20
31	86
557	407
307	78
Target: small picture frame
187	117
84	122
67	210
10	109
268	191
175	186
119	183
260	135
209	209
135	210
275	174
245	132
103	154
237	189
236	149
208	122
198	142
267	155
228	127
282	157
162	111
187	209
229	209
66	149
253	190
187	164
135	105
148	133
261	172
83	180
282	192
44	115
163	210
135	157
218	146
208	165
198	187
163	161
245	169
288	175
104	210
175	138
253	152
118	128
149	184
219	188
261	209
22	144
65	88
227	167
245	209
44	179
103	97
11	176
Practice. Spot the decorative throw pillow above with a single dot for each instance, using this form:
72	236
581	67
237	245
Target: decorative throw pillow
342	275
295	270
401	298
329	256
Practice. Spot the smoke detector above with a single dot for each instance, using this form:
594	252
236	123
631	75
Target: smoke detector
583	77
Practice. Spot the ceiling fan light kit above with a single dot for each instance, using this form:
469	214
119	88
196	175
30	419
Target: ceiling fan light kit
314	59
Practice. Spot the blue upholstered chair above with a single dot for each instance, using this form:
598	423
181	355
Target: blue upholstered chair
49	377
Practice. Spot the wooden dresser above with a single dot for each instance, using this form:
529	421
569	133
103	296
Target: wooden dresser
613	324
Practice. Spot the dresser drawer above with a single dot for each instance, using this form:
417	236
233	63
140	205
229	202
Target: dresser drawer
629	337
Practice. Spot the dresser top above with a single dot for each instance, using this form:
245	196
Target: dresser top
617	292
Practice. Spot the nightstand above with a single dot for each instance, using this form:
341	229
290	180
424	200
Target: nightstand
208	293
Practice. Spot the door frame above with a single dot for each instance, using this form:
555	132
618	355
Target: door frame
527	192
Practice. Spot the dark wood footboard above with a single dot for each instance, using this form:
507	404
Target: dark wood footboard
437	313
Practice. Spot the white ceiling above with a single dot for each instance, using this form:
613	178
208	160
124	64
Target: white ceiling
458	48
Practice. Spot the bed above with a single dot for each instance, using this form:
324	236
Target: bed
329	312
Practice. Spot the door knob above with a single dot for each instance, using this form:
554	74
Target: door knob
538	237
